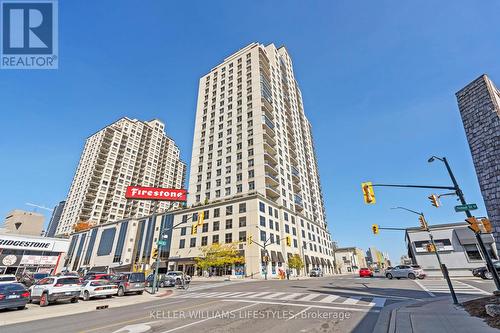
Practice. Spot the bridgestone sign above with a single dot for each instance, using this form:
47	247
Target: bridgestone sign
155	193
9	242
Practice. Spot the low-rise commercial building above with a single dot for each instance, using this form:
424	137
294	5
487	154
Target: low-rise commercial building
22	222
21	254
349	259
125	245
456	245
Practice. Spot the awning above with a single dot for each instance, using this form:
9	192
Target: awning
280	257
323	262
274	257
308	262
466	237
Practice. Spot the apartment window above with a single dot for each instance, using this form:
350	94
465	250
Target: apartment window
215	239
192	242
276	226
295	243
271	237
182	243
239	188
251	185
229	238
204	241
242	221
229	210
271	224
205	227
278	239
287	229
216	226
216	212
262	221
270	210
472	252
251	173
285	215
262	207
276	213
229	224
262	236
183	231
242	236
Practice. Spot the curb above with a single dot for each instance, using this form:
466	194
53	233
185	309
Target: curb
386	322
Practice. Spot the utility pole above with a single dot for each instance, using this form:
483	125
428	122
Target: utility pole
458	191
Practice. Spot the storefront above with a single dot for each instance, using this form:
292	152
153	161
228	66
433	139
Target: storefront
21	254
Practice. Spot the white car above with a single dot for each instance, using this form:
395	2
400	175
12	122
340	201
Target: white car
405	271
177	275
7	278
55	288
97	288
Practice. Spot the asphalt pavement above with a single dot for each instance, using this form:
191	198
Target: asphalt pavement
329	304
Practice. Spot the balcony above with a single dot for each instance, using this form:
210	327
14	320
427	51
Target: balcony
268	112
271	179
270	159
272	192
269	149
299	205
296	187
269	139
266	104
270	169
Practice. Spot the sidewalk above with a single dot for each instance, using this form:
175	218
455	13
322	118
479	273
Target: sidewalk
435	315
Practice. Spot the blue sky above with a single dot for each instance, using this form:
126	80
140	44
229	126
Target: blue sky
378	81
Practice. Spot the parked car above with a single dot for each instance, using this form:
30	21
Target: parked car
98	288
405	271
129	283
56	288
163	280
365	272
177	275
39	276
377	270
13	295
96	276
316	272
7	278
484	273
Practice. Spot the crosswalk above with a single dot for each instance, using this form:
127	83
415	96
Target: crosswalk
361	300
433	287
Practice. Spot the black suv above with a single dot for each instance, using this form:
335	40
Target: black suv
133	282
484	273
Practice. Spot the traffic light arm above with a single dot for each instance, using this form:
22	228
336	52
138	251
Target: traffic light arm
416	186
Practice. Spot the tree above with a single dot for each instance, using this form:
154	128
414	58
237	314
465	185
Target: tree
295	262
217	255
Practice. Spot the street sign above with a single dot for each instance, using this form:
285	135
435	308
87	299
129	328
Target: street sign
161	242
463	208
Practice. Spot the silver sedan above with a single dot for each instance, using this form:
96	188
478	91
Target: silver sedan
97	288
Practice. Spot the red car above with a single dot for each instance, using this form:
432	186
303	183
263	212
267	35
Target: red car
365	272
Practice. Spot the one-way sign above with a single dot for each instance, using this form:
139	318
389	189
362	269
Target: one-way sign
463	208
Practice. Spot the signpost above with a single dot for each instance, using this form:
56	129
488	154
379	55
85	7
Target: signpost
466	207
161	243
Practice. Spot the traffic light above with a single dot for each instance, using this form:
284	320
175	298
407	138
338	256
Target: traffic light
288	240
473	224
430	248
155	253
434	200
249	240
194	229
201	219
368	194
486	225
375	229
423	222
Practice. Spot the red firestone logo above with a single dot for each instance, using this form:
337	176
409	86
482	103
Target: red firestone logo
155	193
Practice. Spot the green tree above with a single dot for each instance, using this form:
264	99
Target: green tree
295	262
219	255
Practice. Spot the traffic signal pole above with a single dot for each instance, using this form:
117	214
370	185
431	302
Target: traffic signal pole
458	191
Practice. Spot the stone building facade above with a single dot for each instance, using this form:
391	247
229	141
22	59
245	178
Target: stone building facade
479	104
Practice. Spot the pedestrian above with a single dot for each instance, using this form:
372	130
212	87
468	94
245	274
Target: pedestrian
288	274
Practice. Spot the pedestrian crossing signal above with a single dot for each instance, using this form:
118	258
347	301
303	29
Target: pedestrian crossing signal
368	193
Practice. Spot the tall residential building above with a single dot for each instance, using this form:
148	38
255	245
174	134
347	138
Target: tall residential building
479	104
253	148
54	219
22	222
127	152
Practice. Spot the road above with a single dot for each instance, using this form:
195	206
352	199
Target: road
330	304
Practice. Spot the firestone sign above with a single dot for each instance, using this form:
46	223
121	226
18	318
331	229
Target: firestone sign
155	193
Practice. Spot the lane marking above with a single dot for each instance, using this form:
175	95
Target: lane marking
273	295
424	288
261	294
352	300
162	304
329	299
292	295
206	319
298	313
379	301
309	297
302	305
475	288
